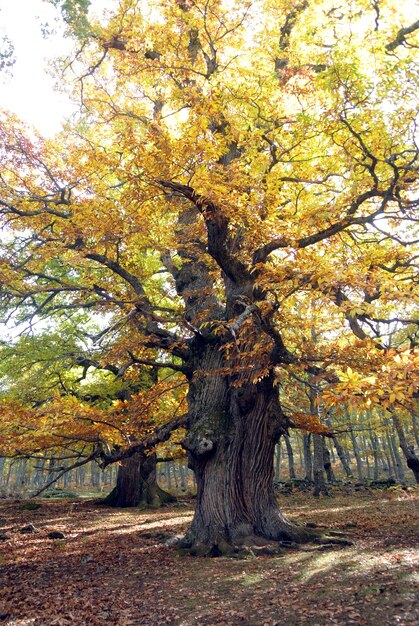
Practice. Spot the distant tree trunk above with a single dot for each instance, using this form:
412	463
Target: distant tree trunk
308	463
367	459
374	447
67	479
415	428
136	484
51	468
168	475
81	476
342	457
278	454
290	454
2	471
327	463
37	479
21	471
173	469
300	453
356	455
390	455
400	475
107	476
183	471
386	464
162	473
408	450
9	473
320	487
97	475
340	452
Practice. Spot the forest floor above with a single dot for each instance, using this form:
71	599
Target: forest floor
114	567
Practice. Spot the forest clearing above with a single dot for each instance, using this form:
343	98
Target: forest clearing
116	567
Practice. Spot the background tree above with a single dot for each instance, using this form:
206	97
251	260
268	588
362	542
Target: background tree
61	371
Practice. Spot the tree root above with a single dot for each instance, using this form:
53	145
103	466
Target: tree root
149	501
332	540
254	545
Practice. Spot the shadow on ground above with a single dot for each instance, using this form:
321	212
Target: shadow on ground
114	567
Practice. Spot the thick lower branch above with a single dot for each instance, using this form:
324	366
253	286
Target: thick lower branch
146	443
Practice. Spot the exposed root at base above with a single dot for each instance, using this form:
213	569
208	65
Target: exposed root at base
254	545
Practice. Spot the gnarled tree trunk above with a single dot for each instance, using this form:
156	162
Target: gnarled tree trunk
233	422
136	484
230	447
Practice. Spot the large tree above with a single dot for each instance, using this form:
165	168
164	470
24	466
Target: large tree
64	402
240	174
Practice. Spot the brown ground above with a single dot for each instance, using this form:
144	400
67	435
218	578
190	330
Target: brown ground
112	568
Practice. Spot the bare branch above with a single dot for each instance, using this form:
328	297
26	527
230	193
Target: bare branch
219	237
151	363
401	36
88	459
159	435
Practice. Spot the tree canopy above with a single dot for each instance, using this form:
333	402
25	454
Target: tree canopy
238	201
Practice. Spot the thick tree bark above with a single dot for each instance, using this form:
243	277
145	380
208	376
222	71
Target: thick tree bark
136	484
230	446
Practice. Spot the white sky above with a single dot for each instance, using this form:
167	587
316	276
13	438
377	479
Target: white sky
30	91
